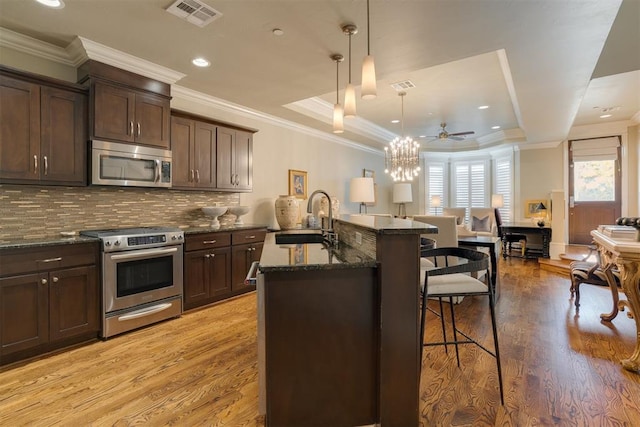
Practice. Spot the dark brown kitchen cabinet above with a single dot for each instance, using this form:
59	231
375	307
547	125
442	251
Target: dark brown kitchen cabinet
234	159
42	130
194	154
49	298
247	248
216	264
126	115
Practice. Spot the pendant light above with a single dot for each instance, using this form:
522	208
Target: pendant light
368	88
350	92
402	156
338	122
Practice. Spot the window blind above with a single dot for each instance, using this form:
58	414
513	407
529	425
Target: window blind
584	150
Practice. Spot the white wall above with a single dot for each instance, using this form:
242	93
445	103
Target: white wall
540	171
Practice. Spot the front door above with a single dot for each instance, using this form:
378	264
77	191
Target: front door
594	186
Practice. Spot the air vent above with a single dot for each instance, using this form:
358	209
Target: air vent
194	11
403	85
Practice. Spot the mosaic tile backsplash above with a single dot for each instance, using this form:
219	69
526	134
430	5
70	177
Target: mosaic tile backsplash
44	211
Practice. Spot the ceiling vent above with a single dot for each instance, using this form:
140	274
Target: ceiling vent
403	85
194	11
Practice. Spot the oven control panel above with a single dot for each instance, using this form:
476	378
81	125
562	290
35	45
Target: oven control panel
123	243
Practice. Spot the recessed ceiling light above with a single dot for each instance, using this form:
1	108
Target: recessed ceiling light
277	32
55	4
605	116
395	121
200	62
495	127
483	107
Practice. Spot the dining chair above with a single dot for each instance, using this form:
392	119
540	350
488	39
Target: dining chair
450	279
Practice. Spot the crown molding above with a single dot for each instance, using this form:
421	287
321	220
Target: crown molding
192	96
600	129
125	61
25	44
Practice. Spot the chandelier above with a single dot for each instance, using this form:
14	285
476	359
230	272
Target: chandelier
402	156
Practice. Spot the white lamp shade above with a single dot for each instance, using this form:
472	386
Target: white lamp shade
368	88
338	122
497	201
436	201
350	101
361	190
402	193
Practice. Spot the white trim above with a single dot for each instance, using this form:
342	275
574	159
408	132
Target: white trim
508	80
188	95
31	46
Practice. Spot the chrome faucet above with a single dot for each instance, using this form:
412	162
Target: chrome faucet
328	232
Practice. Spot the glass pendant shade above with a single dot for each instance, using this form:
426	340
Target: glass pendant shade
369	90
402	159
350	101
338	122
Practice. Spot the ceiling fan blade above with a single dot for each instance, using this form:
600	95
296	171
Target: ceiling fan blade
456	138
462	133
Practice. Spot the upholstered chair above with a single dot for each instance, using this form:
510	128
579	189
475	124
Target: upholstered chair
483	222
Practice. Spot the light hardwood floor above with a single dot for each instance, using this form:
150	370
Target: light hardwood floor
559	367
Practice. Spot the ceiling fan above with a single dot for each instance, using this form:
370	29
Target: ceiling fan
458	136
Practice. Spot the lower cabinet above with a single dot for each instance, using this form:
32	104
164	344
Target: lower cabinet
49	298
216	264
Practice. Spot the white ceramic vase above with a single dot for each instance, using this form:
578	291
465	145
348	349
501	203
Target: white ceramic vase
287	212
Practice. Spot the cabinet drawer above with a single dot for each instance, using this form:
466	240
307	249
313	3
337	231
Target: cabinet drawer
195	242
248	236
20	261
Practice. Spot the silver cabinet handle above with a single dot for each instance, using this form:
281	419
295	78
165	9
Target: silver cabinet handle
208	242
212	255
51	259
197	175
191	176
46	166
250	237
157	171
35	164
131	128
207	256
43	281
138	128
54	279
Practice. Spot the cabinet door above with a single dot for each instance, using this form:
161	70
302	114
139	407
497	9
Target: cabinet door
225	158
244	160
63	136
219	272
152	115
205	155
24	312
243	256
73	302
19	129
114	112
182	137
196	275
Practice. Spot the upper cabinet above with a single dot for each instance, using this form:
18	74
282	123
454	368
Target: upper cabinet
42	130
234	159
127	107
210	155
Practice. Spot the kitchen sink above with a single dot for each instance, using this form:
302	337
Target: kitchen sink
299	237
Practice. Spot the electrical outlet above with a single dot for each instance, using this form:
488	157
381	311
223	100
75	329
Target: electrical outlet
358	238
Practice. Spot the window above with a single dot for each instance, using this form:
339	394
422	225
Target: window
471	189
436	185
503	179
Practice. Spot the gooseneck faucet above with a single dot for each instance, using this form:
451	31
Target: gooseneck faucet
328	232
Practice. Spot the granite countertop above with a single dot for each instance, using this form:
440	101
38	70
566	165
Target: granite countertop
388	225
310	256
222	228
35	242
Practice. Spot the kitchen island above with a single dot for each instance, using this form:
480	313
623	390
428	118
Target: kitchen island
338	327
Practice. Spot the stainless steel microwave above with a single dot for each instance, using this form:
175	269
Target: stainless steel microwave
113	163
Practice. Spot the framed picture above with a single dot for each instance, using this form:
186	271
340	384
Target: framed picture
298	183
368	173
298	255
530	207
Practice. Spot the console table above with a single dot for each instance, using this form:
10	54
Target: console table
528	228
625	254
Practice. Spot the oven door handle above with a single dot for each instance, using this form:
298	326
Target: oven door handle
144	253
249	280
147	311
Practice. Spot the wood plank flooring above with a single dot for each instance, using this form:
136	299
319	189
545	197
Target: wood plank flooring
559	367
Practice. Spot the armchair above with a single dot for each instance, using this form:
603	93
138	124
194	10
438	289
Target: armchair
483	221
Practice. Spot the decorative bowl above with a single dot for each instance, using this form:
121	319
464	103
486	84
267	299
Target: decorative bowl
214	212
238	211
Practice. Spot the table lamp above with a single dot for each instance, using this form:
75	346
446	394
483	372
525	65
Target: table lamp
541	213
497	202
402	194
361	191
436	202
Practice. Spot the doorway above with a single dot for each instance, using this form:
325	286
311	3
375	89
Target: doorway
594	186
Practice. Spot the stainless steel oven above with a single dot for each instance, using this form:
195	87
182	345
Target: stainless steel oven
141	276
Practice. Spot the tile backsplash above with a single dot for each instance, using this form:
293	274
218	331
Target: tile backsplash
28	211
